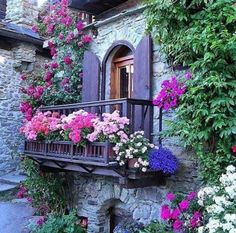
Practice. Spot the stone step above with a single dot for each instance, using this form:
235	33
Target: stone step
12	178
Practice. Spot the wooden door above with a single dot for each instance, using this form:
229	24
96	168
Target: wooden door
122	77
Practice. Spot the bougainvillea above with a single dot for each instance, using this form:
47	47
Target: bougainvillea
170	93
60	80
163	160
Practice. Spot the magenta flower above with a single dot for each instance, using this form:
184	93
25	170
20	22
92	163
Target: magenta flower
188	75
175	213
61	36
67	60
48	76
177	225
23	77
35	29
184	204
41	221
165	212
86	39
170	196
80	26
54	65
191	196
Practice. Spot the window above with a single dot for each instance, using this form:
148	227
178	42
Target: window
122	74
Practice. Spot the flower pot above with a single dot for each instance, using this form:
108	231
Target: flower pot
131	162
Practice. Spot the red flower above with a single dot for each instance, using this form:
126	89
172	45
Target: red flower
67	60
234	149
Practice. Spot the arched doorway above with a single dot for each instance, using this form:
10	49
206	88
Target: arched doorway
122	70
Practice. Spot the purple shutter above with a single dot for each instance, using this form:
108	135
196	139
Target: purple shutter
142	69
91	76
142	85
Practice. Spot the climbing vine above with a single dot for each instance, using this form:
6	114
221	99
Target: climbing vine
200	35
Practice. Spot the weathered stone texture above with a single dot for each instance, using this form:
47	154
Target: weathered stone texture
22	12
21	57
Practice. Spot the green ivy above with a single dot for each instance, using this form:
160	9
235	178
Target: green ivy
60	224
45	189
200	35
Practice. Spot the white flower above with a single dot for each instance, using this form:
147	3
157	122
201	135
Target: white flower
139	144
118	158
227	226
152	146
232	230
144	169
140	160
230	169
144	149
214	209
201	230
136	165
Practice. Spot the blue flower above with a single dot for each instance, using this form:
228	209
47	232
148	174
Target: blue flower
163	160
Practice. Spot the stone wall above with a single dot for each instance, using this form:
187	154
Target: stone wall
95	195
13	61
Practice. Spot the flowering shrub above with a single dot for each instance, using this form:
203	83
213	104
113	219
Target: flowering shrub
182	214
220	204
60	80
234	149
137	146
170	93
163	160
112	127
77	126
41	126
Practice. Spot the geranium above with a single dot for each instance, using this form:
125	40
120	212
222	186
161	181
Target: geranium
170	196
112	127
67	60
234	149
163	160
86	39
77	125
80	26
41	125
219	203
170	93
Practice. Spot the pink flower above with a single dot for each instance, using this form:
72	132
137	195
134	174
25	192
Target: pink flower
29	199
38	92
80	44
48	76
35	29
67	60
86	39
51	44
184	204
65	81
22	77
170	196
175	213
165	212
41	221
234	149
188	75
61	36
191	196
67	21
50	29
54	65
20	195
70	37
178	224
53	51
80	26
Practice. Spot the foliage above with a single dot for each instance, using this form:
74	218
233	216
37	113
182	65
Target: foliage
136	146
59	224
200	34
44	189
156	227
163	160
219	203
60	80
128	226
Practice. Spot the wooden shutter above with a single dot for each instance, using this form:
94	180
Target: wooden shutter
91	76
142	69
2	9
142	84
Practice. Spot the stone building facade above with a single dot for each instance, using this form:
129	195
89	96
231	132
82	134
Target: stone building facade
97	196
20	49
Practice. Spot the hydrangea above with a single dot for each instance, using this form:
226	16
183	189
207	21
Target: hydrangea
163	160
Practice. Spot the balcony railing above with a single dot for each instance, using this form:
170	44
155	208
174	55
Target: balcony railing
97	157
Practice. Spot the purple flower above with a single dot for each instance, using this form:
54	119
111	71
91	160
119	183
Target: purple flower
163	160
184	205
191	196
188	75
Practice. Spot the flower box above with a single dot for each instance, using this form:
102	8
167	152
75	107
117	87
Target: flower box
93	152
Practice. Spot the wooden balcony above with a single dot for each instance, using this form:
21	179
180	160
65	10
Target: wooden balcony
98	157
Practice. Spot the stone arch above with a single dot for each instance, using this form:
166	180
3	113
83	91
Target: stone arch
106	65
